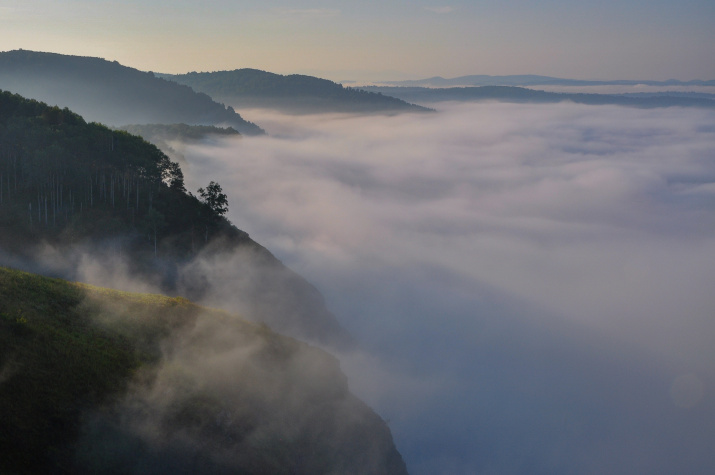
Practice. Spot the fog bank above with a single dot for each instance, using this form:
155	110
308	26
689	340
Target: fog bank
532	283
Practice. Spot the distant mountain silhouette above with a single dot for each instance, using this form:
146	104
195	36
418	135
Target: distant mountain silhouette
534	80
293	93
107	92
427	95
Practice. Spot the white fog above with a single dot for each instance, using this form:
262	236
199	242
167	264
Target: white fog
531	285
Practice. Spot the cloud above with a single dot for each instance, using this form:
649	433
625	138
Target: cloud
530	282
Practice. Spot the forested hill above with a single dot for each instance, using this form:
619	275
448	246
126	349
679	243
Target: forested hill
93	380
107	92
293	93
84	190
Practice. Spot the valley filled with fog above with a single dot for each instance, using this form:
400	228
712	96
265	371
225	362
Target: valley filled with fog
531	285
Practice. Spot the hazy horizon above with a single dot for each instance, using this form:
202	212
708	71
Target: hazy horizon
340	40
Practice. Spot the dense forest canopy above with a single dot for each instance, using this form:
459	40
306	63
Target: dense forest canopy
61	177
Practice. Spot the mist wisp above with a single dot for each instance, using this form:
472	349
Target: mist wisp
220	395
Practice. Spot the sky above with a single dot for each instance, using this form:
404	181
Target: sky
531	284
385	40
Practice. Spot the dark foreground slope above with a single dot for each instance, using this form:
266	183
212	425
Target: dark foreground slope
110	93
94	380
424	95
83	201
293	93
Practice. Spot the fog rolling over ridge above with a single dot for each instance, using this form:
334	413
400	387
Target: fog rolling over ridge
532	283
97	380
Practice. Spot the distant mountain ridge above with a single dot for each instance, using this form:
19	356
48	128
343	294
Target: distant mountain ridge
107	92
295	93
535	80
427	95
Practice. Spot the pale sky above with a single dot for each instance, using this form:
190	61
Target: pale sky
378	40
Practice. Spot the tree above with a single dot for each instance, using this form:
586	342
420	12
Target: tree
214	198
175	177
154	220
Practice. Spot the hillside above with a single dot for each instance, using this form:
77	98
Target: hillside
94	380
80	199
426	95
107	92
293	93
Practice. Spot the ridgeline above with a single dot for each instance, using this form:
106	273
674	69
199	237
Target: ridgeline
294	93
512	94
107	92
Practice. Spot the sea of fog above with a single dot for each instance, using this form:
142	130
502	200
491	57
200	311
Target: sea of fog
532	286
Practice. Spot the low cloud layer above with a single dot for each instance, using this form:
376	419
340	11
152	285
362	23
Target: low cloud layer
533	283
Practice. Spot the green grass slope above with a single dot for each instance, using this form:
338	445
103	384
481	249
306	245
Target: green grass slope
94	380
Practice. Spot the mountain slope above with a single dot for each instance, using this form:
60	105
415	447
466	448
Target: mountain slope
292	93
107	92
80	199
94	380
